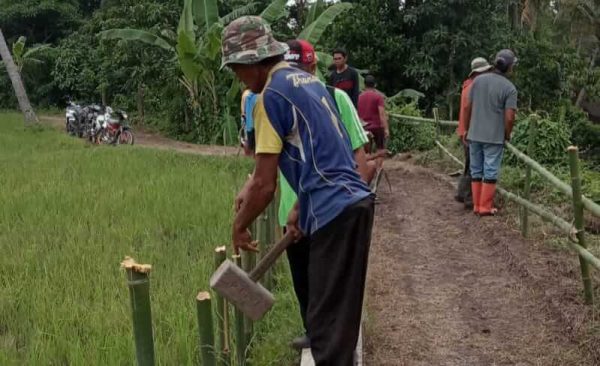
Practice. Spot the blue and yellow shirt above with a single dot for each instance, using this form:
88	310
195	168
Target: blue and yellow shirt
295	117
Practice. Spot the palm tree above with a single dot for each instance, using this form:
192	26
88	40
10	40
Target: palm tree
15	78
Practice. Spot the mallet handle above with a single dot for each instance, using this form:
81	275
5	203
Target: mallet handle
270	257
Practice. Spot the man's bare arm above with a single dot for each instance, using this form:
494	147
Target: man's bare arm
509	121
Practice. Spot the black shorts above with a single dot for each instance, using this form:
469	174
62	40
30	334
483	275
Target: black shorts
378	137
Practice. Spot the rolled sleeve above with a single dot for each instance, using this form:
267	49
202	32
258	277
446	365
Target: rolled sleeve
267	139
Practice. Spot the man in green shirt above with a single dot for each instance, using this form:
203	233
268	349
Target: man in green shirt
302	55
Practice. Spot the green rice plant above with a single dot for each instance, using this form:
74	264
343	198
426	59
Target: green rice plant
70	211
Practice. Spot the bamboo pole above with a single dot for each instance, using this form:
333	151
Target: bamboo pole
139	292
527	189
540	211
263	243
579	223
454	158
205	329
221	343
436	118
240	336
422	119
590	205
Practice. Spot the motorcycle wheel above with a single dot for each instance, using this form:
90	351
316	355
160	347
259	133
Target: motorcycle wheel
126	137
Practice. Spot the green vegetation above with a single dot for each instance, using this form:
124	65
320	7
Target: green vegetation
71	211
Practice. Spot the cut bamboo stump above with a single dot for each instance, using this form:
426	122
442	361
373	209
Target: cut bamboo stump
139	292
205	329
221	313
588	289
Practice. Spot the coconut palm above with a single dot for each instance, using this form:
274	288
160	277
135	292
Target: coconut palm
15	78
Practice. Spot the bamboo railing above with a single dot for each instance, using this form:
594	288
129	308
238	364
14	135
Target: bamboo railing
575	232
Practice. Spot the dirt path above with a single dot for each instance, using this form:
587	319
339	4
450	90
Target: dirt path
448	288
155	141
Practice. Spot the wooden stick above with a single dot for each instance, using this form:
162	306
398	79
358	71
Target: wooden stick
579	223
248	263
240	339
205	329
436	119
139	292
221	344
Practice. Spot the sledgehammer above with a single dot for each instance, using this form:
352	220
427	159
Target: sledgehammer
241	288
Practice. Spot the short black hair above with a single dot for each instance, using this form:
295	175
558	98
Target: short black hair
370	81
340	50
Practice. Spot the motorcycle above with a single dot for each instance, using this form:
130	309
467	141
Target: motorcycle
112	128
73	116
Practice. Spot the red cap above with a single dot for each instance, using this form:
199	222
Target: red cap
301	52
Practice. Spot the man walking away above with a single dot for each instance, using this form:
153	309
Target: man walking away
302	55
490	112
478	66
298	129
371	110
344	77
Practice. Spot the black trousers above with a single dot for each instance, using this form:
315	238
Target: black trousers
329	270
464	193
298	255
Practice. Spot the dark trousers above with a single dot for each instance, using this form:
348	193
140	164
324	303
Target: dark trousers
464	193
337	271
298	255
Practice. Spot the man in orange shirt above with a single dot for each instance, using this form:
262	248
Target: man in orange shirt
479	66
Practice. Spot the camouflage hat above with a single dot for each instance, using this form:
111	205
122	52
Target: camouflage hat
249	40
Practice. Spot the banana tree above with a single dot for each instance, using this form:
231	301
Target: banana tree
23	57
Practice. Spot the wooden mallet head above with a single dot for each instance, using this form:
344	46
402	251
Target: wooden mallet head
241	288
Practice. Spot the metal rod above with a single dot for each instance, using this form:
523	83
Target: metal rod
139	293
205	329
588	290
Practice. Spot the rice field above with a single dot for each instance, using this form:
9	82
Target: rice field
70	212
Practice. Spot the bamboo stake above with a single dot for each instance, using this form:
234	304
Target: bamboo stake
139	292
579	224
240	339
527	189
436	119
221	344
205	329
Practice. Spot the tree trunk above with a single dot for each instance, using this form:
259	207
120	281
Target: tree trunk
140	102
17	83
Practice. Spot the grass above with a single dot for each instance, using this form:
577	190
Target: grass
70	212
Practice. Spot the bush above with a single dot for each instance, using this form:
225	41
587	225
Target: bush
406	137
551	142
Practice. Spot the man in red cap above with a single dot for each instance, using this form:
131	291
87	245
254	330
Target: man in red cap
301	54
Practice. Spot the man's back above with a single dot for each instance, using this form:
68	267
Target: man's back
296	113
491	95
369	102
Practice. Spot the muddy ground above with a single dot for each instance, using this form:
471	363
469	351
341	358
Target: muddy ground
448	288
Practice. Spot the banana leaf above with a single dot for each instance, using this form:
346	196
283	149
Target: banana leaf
128	34
275	11
315	30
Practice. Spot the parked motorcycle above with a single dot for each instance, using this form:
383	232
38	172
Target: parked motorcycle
112	127
73	119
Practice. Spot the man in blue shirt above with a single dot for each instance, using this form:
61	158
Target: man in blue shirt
298	129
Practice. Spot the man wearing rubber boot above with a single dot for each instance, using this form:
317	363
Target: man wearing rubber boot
490	112
298	129
479	65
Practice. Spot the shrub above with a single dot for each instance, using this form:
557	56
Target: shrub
406	137
551	141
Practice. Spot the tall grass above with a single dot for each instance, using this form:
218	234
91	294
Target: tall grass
69	212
